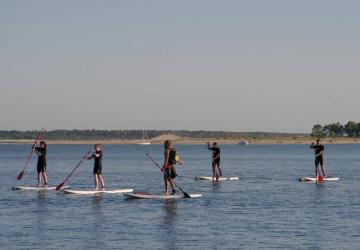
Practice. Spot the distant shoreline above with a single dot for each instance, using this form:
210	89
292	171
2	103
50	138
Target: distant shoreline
189	141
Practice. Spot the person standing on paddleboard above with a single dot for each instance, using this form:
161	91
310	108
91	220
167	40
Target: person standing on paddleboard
41	164
319	157
215	160
97	156
170	158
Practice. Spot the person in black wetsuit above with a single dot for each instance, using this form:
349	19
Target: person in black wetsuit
319	157
97	156
41	164
215	160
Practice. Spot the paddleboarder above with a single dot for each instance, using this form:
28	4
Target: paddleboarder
215	160
41	163
319	157
97	156
168	166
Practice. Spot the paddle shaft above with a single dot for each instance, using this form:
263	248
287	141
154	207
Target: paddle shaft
186	195
58	187
38	137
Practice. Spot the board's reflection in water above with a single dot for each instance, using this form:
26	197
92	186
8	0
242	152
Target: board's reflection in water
170	208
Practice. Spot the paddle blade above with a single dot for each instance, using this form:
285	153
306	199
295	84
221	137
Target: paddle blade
20	176
320	178
58	187
186	195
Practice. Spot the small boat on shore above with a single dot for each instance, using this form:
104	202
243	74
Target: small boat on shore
244	143
145	139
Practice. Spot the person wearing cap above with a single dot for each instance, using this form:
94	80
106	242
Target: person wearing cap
215	160
319	157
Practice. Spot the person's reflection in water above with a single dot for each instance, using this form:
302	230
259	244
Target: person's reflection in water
42	211
42	195
169	223
97	202
216	187
98	222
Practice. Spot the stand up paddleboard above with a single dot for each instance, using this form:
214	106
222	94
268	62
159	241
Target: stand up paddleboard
88	192
142	195
209	178
328	178
36	188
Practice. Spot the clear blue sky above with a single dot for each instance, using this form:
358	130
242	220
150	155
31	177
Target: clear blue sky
212	65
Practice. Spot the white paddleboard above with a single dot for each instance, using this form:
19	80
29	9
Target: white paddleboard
209	178
328	178
87	192
158	196
37	188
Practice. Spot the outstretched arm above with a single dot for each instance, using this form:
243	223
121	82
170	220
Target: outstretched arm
210	148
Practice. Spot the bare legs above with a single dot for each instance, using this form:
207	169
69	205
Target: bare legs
323	169
317	170
96	181
166	181
44	176
216	171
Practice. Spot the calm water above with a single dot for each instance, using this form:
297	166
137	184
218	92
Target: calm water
267	208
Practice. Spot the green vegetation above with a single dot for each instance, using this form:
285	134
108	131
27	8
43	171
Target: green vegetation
350	129
134	134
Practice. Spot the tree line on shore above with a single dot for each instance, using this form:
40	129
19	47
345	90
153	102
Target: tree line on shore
94	134
350	129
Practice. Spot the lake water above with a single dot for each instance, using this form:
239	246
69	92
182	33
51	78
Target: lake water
267	208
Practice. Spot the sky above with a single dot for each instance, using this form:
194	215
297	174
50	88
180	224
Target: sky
272	66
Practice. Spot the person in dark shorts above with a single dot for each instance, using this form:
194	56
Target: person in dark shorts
97	156
319	157
168	167
215	160
41	163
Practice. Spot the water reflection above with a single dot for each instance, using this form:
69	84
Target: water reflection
42	195
216	186
169	223
97	202
41	209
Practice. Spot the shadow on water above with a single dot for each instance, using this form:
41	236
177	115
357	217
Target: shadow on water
170	208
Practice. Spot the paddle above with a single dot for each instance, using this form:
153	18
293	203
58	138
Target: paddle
58	187
186	195
38	137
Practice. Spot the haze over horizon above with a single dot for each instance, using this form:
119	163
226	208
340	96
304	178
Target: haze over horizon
242	66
